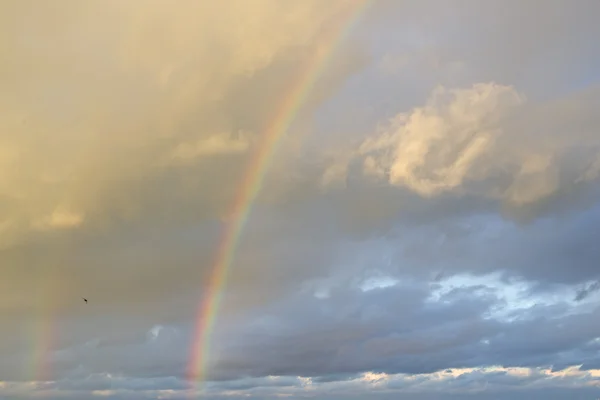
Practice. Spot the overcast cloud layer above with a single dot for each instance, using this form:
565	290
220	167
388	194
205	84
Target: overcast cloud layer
428	225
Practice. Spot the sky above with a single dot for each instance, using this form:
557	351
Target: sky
303	199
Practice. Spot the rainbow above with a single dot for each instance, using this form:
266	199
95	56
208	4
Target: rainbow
45	336
252	182
45	329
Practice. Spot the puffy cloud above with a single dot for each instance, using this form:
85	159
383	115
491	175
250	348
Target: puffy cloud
482	141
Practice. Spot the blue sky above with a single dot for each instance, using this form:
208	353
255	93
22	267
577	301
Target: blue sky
427	228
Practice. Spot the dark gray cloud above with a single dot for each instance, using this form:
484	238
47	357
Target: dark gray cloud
395	330
586	291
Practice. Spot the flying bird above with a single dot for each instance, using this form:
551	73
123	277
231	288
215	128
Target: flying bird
84	299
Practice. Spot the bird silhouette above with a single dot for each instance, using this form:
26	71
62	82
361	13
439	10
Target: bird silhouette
84	299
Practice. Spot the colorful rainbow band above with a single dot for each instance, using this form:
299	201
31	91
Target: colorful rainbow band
253	181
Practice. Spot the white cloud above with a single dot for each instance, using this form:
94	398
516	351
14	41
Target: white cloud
439	147
472	141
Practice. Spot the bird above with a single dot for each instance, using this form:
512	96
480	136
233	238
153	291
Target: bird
84	299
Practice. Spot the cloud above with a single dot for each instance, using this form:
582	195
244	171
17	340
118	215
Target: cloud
403	329
117	133
214	145
427	225
407	328
585	292
60	219
482	142
354	332
165	82
111	137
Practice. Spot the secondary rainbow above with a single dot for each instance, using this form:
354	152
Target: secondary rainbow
252	182
44	329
